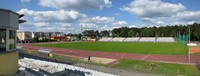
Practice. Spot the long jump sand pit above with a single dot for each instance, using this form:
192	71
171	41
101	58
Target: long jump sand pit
92	59
100	60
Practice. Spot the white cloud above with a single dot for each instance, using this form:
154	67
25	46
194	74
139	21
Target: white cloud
47	27
154	21
152	8
89	25
64	25
191	22
53	16
188	16
105	27
131	26
41	24
76	4
119	24
98	19
25	1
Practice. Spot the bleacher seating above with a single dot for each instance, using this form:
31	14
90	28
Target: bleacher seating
198	66
165	39
107	39
103	39
58	69
147	39
134	39
138	39
120	39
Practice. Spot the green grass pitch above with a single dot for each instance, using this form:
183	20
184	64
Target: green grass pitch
125	47
167	69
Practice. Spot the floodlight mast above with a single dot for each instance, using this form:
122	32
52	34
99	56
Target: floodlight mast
81	33
189	47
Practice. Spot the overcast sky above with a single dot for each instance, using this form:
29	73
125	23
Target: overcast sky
68	15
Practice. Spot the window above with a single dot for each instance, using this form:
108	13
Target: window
11	39
2	40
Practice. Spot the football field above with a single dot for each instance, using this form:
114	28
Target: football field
125	47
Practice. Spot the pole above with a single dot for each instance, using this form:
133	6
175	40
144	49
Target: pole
81	33
189	48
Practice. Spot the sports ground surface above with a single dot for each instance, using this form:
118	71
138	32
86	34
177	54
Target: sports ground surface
139	55
165	52
125	47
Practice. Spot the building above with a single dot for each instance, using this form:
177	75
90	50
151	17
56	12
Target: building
9	23
25	37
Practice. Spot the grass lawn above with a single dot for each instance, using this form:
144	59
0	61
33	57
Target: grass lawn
168	69
125	47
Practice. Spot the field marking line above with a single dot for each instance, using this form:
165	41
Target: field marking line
146	56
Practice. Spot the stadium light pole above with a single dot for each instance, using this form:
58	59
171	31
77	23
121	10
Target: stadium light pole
189	48
81	33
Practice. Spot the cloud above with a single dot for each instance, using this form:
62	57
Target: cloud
53	16
47	27
62	20
76	4
25	1
64	25
154	21
152	8
98	19
105	27
89	25
41	24
188	16
119	24
131	26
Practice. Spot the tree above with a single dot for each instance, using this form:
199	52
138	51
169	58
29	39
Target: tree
97	33
89	33
130	33
105	33
116	32
123	34
147	33
162	31
35	39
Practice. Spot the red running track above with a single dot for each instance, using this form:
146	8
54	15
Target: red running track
115	55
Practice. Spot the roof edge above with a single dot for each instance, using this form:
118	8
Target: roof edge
1	9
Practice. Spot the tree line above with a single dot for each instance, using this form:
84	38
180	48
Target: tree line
162	31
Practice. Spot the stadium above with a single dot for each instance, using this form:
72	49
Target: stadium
108	51
99	38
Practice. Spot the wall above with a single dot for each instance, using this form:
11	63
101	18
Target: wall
9	20
14	21
4	19
8	63
20	35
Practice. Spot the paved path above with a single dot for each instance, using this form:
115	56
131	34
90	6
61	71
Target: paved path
115	55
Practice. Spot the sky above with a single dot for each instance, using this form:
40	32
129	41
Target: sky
70	15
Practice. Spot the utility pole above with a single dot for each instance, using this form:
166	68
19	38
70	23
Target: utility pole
189	48
81	33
